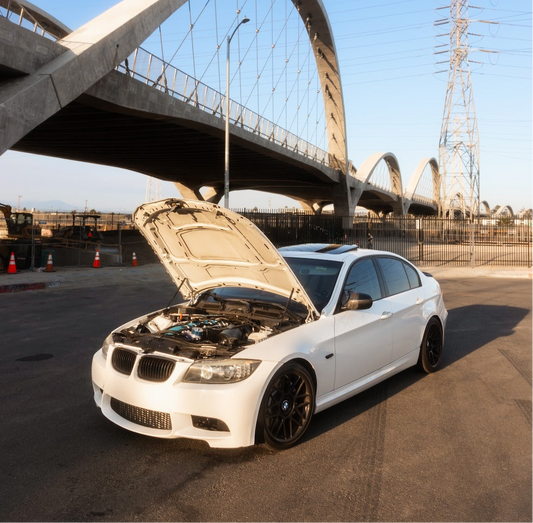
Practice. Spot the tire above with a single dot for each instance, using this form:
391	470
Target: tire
287	407
431	348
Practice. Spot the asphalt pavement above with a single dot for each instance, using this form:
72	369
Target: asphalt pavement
79	277
451	446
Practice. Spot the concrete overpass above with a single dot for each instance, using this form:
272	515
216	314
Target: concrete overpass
75	97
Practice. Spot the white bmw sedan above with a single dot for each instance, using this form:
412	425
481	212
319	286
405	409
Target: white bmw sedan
265	338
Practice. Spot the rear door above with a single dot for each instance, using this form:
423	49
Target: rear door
404	304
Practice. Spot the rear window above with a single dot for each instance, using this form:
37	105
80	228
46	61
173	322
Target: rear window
394	274
414	279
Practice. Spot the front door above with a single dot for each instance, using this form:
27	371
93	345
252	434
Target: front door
363	339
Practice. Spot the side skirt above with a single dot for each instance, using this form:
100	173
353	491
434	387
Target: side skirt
338	395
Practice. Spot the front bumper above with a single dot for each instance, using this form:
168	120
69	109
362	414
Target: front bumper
165	410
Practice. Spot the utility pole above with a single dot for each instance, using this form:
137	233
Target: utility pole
459	138
245	20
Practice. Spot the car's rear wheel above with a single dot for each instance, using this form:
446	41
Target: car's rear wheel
287	406
431	348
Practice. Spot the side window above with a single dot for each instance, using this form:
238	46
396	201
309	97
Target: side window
363	278
394	274
414	279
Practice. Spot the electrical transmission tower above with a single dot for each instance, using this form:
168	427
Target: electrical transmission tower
459	138
153	190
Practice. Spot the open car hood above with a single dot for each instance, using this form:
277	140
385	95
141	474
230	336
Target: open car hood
204	246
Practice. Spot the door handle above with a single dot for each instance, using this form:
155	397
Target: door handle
419	301
385	315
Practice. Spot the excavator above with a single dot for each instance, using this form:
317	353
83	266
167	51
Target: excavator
17	235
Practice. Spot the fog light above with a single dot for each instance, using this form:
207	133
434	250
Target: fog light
209	424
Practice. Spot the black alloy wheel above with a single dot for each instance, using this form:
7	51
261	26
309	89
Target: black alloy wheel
287	407
431	348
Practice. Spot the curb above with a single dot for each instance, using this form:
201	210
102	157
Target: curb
19	287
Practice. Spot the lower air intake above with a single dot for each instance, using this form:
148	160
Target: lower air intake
144	417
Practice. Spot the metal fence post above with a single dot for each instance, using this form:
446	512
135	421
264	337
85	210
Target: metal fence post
528	246
420	238
32	265
119	238
472	246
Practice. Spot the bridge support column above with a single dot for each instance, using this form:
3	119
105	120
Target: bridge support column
189	193
310	206
398	209
211	194
344	205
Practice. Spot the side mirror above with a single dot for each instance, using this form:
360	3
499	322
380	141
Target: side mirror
358	301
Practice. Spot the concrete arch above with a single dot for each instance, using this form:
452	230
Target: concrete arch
365	172
313	14
417	175
499	212
368	167
485	204
315	19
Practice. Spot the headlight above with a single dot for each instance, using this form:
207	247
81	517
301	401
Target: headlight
223	371
105	346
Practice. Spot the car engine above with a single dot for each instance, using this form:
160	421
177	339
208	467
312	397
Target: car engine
193	333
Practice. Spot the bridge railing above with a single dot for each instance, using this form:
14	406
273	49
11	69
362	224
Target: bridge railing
19	15
423	199
151	70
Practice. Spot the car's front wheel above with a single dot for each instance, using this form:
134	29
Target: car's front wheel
431	347
287	406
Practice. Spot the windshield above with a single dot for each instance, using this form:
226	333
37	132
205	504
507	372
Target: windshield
317	277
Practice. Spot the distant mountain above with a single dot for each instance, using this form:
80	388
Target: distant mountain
49	205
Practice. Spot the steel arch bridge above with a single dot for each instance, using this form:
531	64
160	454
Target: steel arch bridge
77	95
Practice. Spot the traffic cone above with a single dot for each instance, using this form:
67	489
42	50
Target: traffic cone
96	263
12	268
134	261
50	264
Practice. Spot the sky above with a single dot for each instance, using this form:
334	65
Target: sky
394	92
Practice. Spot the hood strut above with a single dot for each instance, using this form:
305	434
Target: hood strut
176	293
287	304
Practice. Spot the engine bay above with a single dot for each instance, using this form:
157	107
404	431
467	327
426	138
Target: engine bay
198	333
